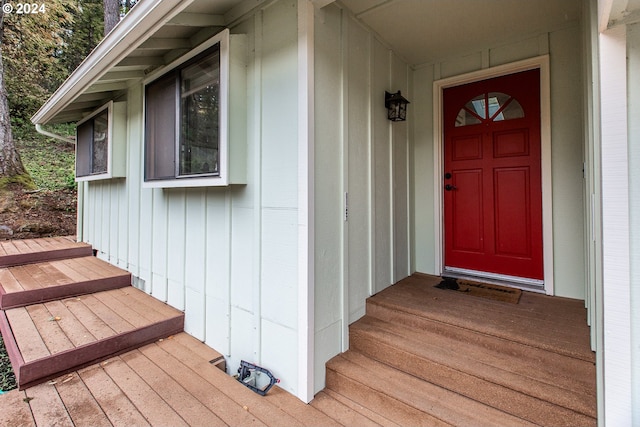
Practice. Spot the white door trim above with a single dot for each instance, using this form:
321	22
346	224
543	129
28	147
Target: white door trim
541	62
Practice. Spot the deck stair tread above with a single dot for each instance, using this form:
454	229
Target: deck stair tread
506	382
422	402
425	356
520	323
44	281
46	339
17	252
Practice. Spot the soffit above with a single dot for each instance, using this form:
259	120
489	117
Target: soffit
423	31
152	35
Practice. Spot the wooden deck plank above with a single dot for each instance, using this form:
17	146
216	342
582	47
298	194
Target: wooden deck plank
340	412
79	402
184	403
14	411
260	407
22	275
89	320
145	305
33	245
71	326
152	304
507	320
47	407
39	276
53	336
155	410
64	268
54	276
228	410
115	404
79	268
372	415
106	314
8	281
30	344
22	247
10	248
104	267
307	415
123	310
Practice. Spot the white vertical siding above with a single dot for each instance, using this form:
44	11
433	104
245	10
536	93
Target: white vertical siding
358	152
226	256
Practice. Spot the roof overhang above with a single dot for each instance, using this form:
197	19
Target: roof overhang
152	35
612	13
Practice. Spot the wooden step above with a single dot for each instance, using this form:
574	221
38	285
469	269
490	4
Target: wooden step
406	399
27	251
549	323
23	285
534	387
48	339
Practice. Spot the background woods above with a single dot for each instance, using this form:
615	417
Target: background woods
38	51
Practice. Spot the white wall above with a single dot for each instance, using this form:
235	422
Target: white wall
361	153
633	82
564	47
226	256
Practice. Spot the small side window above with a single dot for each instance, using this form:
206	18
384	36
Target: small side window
95	140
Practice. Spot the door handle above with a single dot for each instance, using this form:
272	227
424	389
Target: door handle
450	187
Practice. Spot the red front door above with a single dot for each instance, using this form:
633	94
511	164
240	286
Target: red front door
492	181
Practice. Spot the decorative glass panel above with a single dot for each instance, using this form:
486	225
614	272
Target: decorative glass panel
199	140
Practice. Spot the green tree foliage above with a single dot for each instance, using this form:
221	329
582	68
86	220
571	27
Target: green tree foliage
82	35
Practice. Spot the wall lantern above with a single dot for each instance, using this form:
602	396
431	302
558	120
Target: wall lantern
396	106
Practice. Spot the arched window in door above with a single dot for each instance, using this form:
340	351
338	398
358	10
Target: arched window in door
489	107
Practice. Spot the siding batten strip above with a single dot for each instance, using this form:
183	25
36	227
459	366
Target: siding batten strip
305	201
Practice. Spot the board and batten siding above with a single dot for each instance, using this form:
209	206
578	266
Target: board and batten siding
226	256
361	177
564	47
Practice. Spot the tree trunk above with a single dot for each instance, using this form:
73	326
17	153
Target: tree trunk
10	163
111	14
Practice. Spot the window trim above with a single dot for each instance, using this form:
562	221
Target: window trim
110	141
222	178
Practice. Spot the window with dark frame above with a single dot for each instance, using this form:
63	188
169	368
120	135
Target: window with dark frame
92	145
182	120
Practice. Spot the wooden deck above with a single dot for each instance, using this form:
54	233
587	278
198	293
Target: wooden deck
421	356
51	280
427	356
16	252
167	383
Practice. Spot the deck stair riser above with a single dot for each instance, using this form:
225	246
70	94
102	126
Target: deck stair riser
40	370
20	252
48	339
505	383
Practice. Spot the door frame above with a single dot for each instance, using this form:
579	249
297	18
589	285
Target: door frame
542	63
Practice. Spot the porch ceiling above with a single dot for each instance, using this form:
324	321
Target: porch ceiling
423	31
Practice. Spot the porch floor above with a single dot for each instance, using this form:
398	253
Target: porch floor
427	356
420	356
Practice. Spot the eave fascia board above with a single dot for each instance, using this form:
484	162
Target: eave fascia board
134	29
